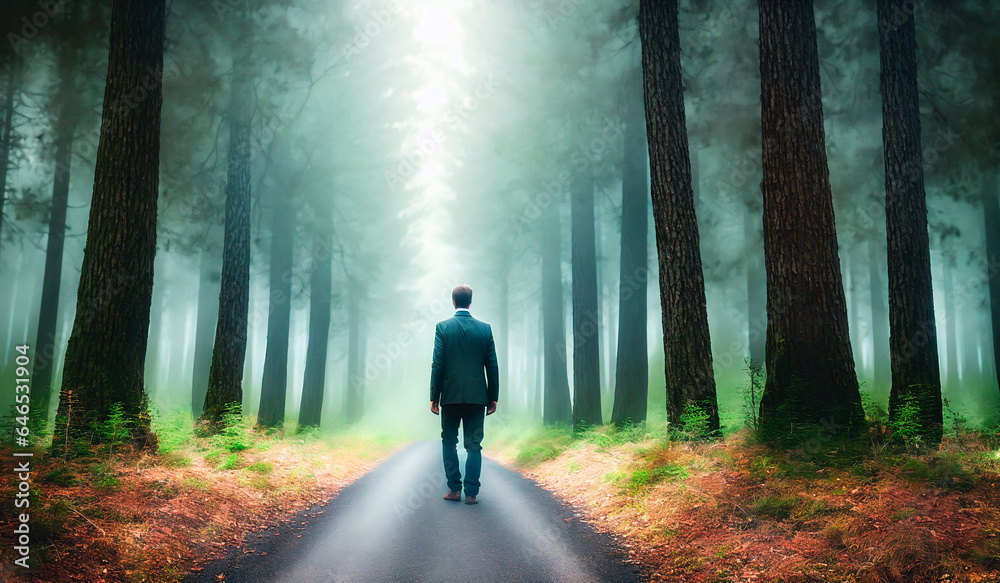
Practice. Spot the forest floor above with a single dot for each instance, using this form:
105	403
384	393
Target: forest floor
732	510
153	517
829	509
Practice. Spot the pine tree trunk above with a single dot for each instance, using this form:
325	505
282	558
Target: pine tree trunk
107	348
809	362
225	377
205	322
314	377
991	215
48	314
586	319
916	375
880	319
632	365
688	350
556	403
273	385
355	397
5	135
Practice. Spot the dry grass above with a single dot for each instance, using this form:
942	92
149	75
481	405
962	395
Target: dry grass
729	511
155	517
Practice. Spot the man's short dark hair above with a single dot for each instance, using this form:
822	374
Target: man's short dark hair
462	296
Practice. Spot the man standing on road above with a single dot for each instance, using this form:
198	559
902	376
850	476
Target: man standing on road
461	392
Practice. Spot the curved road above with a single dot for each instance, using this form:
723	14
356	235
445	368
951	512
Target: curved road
391	525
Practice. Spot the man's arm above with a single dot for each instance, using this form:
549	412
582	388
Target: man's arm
492	373
437	367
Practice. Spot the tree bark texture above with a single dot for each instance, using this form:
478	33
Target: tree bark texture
106	351
225	377
916	375
809	361
688	350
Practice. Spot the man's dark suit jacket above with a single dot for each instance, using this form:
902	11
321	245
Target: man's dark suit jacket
463	350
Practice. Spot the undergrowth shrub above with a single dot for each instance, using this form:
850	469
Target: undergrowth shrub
235	435
906	427
694	423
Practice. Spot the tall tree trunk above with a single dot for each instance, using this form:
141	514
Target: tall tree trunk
107	348
556	404
225	377
204	334
632	366
991	215
354	399
274	383
916	375
6	132
756	283
882	376
586	319
314	377
686	343
810	366
48	313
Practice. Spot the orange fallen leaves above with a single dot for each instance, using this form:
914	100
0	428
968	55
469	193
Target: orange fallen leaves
706	528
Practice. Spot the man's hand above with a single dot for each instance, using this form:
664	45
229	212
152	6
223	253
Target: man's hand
434	408
492	408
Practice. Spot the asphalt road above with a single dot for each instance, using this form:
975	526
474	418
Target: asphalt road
391	525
